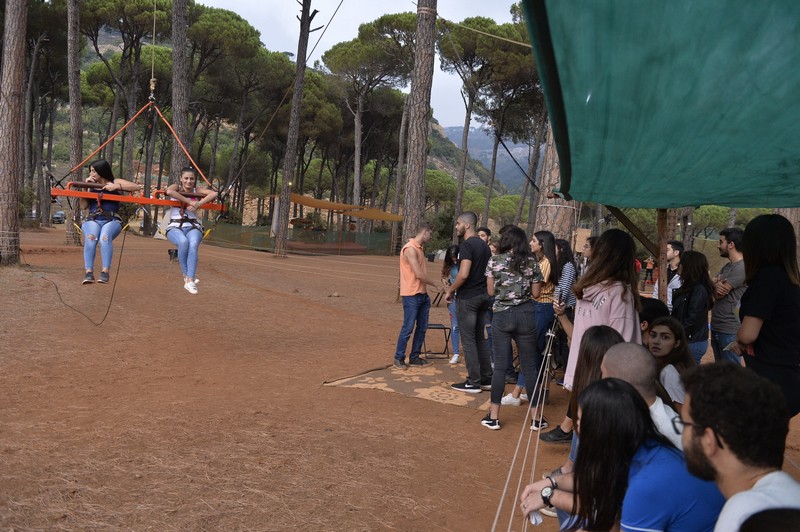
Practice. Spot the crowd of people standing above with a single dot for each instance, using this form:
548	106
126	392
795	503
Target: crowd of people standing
633	368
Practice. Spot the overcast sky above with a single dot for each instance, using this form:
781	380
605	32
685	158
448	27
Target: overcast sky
277	22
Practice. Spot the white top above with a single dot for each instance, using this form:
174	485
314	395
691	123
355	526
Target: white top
662	418
175	214
776	490
674	284
671	381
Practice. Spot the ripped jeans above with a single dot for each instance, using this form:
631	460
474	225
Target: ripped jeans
187	239
104	231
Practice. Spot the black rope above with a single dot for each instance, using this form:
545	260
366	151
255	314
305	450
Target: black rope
530	180
113	290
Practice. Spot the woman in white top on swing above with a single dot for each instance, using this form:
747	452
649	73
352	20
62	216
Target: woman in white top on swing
184	229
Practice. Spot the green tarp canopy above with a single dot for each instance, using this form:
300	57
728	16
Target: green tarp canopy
668	104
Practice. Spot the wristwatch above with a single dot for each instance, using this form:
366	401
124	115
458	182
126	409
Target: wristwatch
547	492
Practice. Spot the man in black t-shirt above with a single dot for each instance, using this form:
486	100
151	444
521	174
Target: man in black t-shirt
472	302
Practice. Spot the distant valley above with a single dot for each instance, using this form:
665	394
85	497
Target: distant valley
480	148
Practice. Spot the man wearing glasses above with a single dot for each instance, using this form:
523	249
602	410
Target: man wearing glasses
734	426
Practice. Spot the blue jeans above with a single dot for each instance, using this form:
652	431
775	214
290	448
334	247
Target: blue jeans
719	341
455	336
104	231
489	315
698	349
187	239
544	318
567	521
518	324
471	314
415	311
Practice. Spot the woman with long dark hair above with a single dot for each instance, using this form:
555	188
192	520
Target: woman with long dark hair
184	229
543	246
607	294
693	300
513	277
103	223
627	474
670	348
449	271
586	254
769	338
564	310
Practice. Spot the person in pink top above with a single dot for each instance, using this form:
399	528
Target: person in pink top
607	294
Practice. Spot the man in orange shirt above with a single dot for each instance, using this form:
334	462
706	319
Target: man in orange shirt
416	303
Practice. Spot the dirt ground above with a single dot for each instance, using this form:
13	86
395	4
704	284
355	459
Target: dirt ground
208	412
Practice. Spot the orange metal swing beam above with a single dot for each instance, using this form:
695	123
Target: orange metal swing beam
133	199
69	192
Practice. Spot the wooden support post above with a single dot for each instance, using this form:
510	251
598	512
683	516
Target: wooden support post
635	231
663	266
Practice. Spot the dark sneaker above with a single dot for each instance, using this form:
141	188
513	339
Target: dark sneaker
538	424
486	385
418	362
466	387
88	278
489	423
400	364
103	278
557	436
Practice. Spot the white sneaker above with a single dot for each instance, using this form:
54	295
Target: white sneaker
454	359
523	397
196	280
549	511
510	400
190	287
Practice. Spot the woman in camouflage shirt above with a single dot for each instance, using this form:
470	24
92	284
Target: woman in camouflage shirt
514	278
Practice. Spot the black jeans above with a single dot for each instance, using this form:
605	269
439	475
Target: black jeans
472	322
519	324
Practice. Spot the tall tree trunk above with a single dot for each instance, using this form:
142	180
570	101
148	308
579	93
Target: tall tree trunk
553	213
75	110
597	226
108	151
686	227
419	116
537	178
150	141
462	169
399	186
180	88
492	173
37	148
793	215
212	166
51	117
11	105
359	114
525	188
282	224
732	217
30	97
232	167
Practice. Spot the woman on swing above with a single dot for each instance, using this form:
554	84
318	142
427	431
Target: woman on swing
184	229
103	223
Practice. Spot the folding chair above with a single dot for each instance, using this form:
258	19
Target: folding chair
444	353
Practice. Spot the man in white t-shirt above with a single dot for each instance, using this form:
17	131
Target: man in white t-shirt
634	364
735	425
